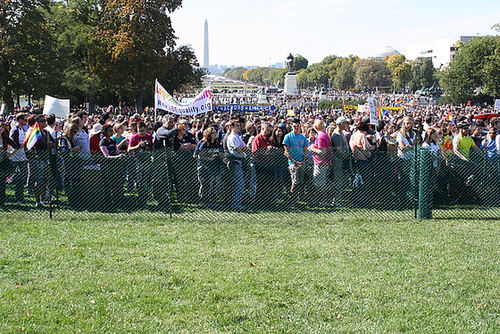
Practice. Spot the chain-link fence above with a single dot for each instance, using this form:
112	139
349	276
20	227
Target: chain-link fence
180	185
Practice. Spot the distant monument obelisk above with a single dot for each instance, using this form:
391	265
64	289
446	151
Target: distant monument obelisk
290	78
206	62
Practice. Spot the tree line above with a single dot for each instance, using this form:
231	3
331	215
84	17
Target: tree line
344	73
472	75
91	50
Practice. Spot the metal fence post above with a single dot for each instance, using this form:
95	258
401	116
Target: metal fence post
415	181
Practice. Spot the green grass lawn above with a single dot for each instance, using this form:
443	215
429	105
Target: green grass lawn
248	273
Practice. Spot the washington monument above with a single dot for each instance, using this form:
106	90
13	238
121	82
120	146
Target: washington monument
206	62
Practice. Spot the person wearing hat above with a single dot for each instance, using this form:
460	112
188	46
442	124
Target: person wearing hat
340	159
371	133
95	138
462	144
295	144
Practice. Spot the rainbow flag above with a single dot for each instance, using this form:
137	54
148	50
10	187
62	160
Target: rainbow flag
449	118
381	112
33	137
399	102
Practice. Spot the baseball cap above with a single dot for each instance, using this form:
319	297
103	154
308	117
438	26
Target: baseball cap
341	120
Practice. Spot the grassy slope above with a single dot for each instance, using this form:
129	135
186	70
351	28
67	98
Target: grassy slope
253	273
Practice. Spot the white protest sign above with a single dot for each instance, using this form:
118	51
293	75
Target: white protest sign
497	104
58	107
372	106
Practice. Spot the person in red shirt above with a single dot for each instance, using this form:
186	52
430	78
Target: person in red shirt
261	146
263	157
95	139
141	141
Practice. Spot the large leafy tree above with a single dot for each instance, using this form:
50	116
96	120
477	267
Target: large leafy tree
491	71
304	78
344	78
182	70
423	73
133	39
474	68
371	73
74	22
27	56
400	70
299	63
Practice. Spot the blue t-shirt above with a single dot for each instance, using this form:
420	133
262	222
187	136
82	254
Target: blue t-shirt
296	144
491	148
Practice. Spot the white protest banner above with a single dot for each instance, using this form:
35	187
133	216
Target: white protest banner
202	103
497	104
372	105
58	107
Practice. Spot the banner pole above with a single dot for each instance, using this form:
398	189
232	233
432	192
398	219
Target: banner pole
154	99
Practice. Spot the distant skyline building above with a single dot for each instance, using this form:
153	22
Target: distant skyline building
206	60
441	51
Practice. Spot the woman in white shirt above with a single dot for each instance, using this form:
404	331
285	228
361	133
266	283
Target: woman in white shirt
406	139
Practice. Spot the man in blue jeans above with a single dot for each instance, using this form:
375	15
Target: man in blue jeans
236	147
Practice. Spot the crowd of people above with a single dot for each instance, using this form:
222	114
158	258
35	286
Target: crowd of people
242	159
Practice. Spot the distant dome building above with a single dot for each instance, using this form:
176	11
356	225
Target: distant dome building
385	51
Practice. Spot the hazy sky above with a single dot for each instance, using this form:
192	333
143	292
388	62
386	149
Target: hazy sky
260	32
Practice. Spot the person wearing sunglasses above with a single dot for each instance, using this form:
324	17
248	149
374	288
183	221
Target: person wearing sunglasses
295	144
236	148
